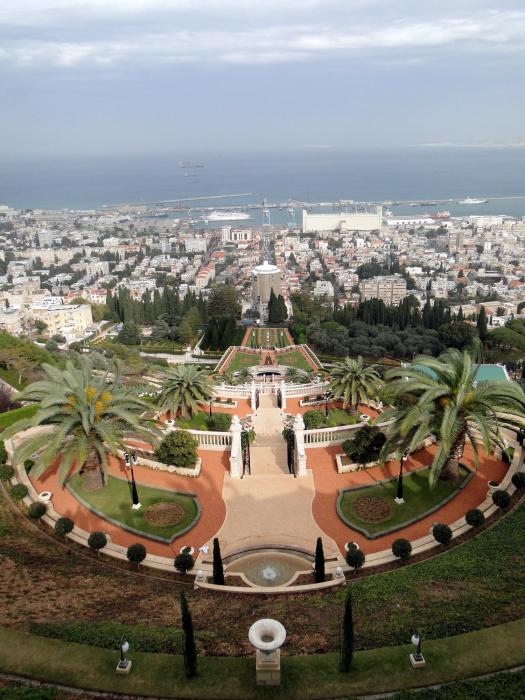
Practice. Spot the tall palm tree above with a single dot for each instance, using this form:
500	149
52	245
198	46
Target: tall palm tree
354	382
88	416
441	396
184	387
244	375
293	375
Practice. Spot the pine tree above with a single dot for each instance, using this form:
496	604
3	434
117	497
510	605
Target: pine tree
347	642
460	318
218	571
190	650
319	573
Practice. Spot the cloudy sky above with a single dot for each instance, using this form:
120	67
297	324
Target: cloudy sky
145	76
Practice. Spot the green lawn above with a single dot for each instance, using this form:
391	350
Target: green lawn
336	416
419	499
305	677
242	359
268	337
10	417
294	358
197	422
114	504
11	377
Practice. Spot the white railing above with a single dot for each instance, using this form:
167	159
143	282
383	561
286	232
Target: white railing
228	391
293	391
321	437
208	439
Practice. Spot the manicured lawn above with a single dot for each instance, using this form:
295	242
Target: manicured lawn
294	358
268	337
419	499
10	417
242	359
308	677
336	416
114	504
199	421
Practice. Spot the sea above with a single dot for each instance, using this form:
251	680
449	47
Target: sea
307	175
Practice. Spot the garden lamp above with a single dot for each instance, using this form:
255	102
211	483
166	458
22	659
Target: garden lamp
399	495
124	664
416	658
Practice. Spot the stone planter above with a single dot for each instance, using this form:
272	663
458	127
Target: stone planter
493	486
348	545
45	496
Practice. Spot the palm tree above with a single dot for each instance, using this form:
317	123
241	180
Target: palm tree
89	417
293	375
354	382
441	396
244	375
184	387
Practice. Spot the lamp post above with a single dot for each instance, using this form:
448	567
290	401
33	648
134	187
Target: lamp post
124	664
130	461
416	658
326	397
399	495
211	401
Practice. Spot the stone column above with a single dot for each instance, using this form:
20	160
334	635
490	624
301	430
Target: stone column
254	396
300	453
236	451
283	395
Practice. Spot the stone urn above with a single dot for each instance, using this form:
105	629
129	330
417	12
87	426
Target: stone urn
267	636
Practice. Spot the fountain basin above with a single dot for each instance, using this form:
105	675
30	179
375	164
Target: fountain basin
270	567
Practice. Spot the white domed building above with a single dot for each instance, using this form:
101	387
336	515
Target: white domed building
265	277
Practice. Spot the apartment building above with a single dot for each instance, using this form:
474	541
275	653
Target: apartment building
390	288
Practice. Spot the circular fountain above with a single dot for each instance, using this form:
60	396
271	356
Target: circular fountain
269	567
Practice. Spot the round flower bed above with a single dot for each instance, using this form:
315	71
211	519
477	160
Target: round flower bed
164	513
373	509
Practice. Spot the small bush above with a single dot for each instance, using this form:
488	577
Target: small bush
365	446
402	549
178	448
37	510
6	472
501	498
3	453
28	465
97	540
183	562
355	558
64	526
136	553
518	479
475	517
442	533
18	492
313	419
219	421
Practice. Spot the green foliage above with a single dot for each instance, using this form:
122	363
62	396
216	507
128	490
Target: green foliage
501	498
319	566
475	517
6	472
313	419
12	692
457	335
63	526
18	492
3	452
218	569
136	553
24	349
51	345
97	540
504	686
347	642
402	549
28	465
355	558
442	533
219	421
178	448
184	387
107	634
366	445
354	382
183	562
190	650
518	479
37	510
129	334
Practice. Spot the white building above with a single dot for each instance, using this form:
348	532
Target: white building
390	288
195	245
341	221
235	235
324	288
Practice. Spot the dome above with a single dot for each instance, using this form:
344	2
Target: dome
265	269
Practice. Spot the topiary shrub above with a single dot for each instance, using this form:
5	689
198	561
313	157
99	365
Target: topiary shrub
313	419
64	526
518	479
6	472
442	533
355	558
402	549
178	448
183	562
219	421
365	446
28	465
97	540
501	498
136	553
18	492
37	510
475	517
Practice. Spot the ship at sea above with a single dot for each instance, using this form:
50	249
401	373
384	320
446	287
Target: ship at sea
440	215
190	164
226	216
471	200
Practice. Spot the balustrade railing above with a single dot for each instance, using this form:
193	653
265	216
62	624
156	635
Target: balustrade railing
208	439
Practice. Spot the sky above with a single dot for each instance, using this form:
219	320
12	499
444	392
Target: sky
91	77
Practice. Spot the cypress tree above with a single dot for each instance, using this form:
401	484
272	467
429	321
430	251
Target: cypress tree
347	642
319	562
460	315
273	311
482	324
190	650
218	571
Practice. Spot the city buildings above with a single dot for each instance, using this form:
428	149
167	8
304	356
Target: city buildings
391	289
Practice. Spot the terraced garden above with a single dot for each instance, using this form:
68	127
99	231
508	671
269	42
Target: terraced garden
268	338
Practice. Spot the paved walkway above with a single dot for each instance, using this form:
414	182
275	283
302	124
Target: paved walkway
268	452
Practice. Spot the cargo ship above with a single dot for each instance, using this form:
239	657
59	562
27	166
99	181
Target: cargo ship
226	216
471	200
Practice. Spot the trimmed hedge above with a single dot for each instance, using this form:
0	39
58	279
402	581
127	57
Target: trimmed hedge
37	510
183	562
18	492
97	540
518	479
64	526
136	553
355	558
402	549
501	498
474	517
442	533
